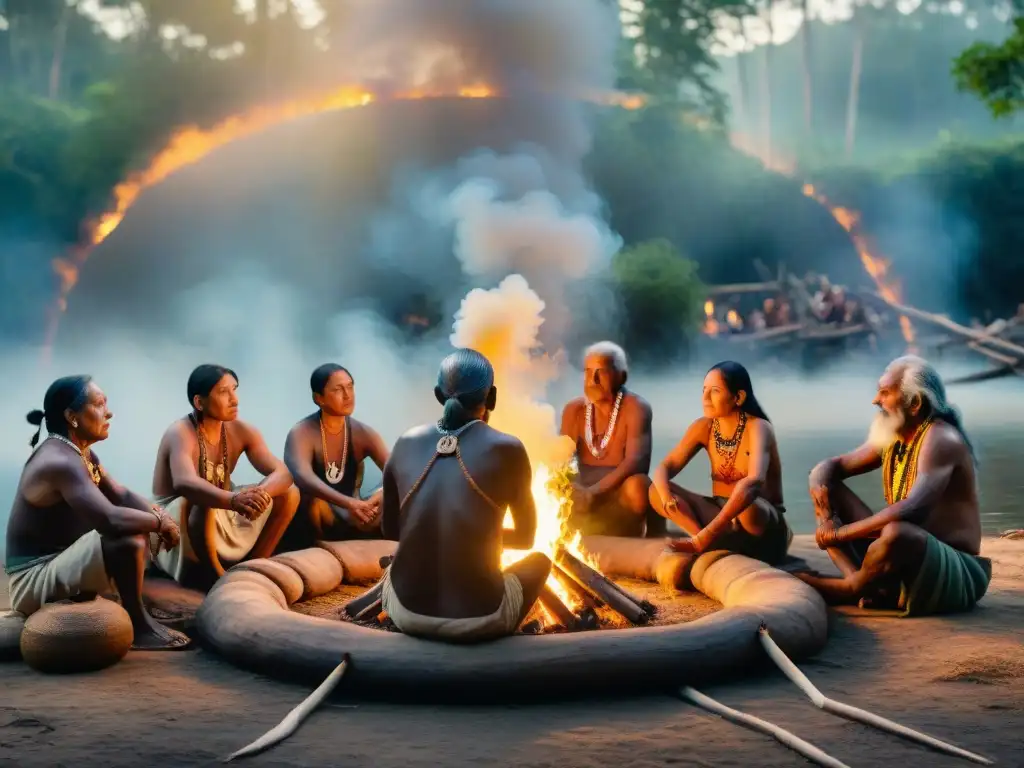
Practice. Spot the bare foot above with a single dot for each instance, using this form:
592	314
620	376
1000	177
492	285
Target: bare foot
835	590
154	636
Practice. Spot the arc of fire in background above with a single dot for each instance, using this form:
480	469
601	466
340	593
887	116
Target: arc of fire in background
190	144
876	266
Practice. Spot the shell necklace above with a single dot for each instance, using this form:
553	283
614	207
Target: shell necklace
95	471
588	434
331	471
218	474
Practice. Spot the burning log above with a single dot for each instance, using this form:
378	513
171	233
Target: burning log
558	610
603	587
587	615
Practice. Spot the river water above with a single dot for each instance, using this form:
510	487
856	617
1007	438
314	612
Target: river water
999	450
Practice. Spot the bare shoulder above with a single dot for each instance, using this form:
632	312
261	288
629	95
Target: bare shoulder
634	405
701	427
945	441
243	431
303	428
180	432
361	430
574	407
763	428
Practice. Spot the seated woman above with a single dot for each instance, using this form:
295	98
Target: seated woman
746	513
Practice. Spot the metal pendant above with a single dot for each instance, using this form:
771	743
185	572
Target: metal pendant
447	444
334	474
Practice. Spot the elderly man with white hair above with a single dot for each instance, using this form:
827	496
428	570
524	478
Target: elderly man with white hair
611	427
919	553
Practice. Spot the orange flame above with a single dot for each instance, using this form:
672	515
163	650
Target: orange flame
876	267
190	144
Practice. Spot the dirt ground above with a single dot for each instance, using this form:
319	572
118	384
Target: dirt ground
958	678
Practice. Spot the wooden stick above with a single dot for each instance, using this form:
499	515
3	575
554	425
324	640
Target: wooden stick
718	290
781	735
790	670
581	593
992	373
559	611
603	586
371	610
294	719
960	330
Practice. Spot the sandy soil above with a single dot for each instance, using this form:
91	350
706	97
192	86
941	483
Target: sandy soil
958	678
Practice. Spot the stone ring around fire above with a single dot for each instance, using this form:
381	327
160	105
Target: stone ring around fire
248	618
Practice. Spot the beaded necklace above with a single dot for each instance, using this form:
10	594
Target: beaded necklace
218	475
588	433
728	448
331	471
95	470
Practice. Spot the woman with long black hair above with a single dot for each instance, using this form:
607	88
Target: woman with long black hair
745	513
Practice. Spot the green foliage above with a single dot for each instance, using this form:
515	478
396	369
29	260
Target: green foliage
995	72
661	295
671	49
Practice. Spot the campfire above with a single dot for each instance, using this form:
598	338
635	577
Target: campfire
577	595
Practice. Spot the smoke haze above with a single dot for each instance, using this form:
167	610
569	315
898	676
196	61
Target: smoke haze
502	229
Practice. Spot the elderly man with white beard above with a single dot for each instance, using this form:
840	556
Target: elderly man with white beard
920	553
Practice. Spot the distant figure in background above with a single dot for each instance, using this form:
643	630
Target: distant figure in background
920	553
74	531
611	428
746	513
446	488
222	524
325	454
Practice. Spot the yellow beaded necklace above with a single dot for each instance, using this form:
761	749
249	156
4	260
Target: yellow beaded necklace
899	465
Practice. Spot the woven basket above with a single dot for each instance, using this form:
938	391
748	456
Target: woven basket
76	637
11	624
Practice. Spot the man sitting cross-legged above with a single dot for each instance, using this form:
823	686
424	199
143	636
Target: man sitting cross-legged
325	454
74	531
221	524
611	428
920	553
446	489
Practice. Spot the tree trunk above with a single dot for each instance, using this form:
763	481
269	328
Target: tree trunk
60	38
766	87
743	81
854	93
806	56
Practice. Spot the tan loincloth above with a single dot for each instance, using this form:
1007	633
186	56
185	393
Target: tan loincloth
502	622
235	535
78	569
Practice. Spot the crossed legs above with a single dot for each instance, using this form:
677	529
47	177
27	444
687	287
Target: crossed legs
874	571
696	511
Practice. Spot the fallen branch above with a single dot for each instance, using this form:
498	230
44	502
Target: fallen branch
790	670
992	373
831	334
961	330
767	334
294	719
718	290
781	735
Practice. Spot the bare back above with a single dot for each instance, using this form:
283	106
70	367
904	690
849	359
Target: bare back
42	522
631	418
956	517
448	562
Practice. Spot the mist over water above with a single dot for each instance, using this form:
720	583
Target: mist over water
470	227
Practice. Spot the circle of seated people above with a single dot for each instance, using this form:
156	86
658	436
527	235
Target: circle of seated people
253	601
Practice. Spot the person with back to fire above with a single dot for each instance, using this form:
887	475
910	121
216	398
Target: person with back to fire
746	513
921	553
446	489
611	429
221	523
75	532
325	454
